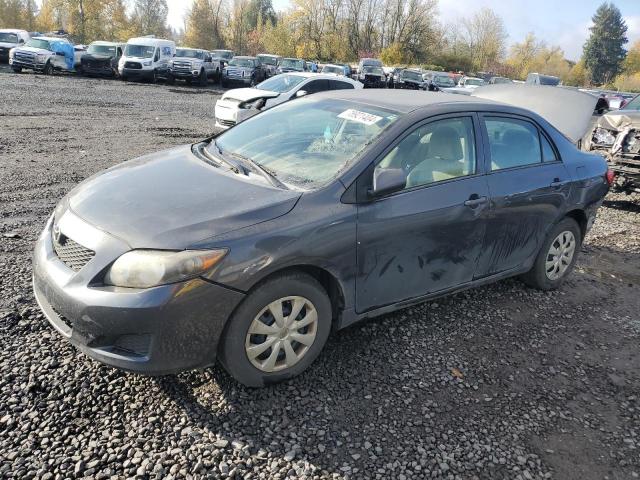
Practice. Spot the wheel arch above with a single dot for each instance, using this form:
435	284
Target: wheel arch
328	280
581	219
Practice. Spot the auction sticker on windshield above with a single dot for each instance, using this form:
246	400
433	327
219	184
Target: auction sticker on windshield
360	117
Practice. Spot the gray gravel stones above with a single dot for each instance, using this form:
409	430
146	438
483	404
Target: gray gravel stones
501	382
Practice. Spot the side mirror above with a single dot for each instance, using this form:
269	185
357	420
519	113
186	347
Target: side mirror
21	40
388	180
301	93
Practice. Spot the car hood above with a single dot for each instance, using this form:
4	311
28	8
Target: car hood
187	59
94	56
7	45
620	119
246	94
32	50
568	110
173	199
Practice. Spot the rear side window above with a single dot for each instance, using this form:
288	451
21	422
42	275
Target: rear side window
548	154
316	86
337	85
513	143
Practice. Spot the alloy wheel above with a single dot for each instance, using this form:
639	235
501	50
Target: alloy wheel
281	334
560	255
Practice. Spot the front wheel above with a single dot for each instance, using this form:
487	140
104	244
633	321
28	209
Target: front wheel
16	69
557	256
277	331
48	69
203	78
171	80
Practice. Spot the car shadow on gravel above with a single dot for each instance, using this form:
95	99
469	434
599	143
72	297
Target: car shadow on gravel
625	205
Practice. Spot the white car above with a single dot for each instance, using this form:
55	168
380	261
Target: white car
11	38
242	103
45	54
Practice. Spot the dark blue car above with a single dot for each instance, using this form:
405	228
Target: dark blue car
252	246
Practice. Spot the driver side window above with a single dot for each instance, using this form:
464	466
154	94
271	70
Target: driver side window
434	152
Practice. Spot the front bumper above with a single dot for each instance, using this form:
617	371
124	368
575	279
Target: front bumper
236	80
99	70
184	74
228	114
136	73
153	331
35	66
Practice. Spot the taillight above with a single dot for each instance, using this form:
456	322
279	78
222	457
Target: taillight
610	176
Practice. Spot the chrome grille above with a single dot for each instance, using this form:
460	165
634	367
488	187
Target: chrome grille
237	72
184	67
71	253
226	123
25	57
133	65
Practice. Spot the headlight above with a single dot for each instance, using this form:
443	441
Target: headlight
147	63
604	137
257	104
12	52
196	64
149	268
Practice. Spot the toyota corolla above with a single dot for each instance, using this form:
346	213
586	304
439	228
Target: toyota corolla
250	247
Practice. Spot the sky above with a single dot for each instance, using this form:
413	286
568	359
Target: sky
558	22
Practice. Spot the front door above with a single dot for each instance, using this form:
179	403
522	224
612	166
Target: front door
529	186
427	237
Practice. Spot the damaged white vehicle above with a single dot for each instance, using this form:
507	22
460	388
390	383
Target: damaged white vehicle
616	136
239	104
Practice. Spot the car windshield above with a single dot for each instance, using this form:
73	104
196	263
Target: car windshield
268	59
372	70
308	142
140	51
409	75
443	81
241	62
371	63
329	69
474	82
633	104
225	55
498	80
8	37
292	63
102	50
280	83
189	53
553	81
37	43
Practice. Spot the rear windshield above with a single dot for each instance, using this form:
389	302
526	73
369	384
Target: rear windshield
222	54
373	70
8	37
338	70
140	51
443	81
474	81
189	53
412	75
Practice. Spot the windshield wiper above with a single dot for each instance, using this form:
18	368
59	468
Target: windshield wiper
267	173
236	167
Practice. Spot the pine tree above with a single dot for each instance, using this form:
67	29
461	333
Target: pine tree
604	51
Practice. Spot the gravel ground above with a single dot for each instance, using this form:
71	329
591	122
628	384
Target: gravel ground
496	382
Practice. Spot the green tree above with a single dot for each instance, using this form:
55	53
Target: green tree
632	62
604	51
203	25
149	17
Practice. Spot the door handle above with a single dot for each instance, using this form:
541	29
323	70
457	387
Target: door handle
474	202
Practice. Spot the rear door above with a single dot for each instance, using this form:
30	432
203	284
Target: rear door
427	237
528	185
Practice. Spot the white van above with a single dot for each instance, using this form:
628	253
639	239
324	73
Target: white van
146	58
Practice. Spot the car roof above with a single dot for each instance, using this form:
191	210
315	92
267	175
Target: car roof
148	41
12	30
244	57
331	76
405	101
52	39
103	42
267	55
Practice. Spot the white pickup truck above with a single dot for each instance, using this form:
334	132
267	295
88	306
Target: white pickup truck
11	38
45	54
193	64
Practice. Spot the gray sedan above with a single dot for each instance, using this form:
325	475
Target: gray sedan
252	246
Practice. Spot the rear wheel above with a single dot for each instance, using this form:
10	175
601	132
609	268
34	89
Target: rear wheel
277	331
557	256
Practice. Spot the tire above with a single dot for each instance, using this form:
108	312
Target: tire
202	79
223	84
123	78
558	239
48	69
16	69
255	312
170	80
253	82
